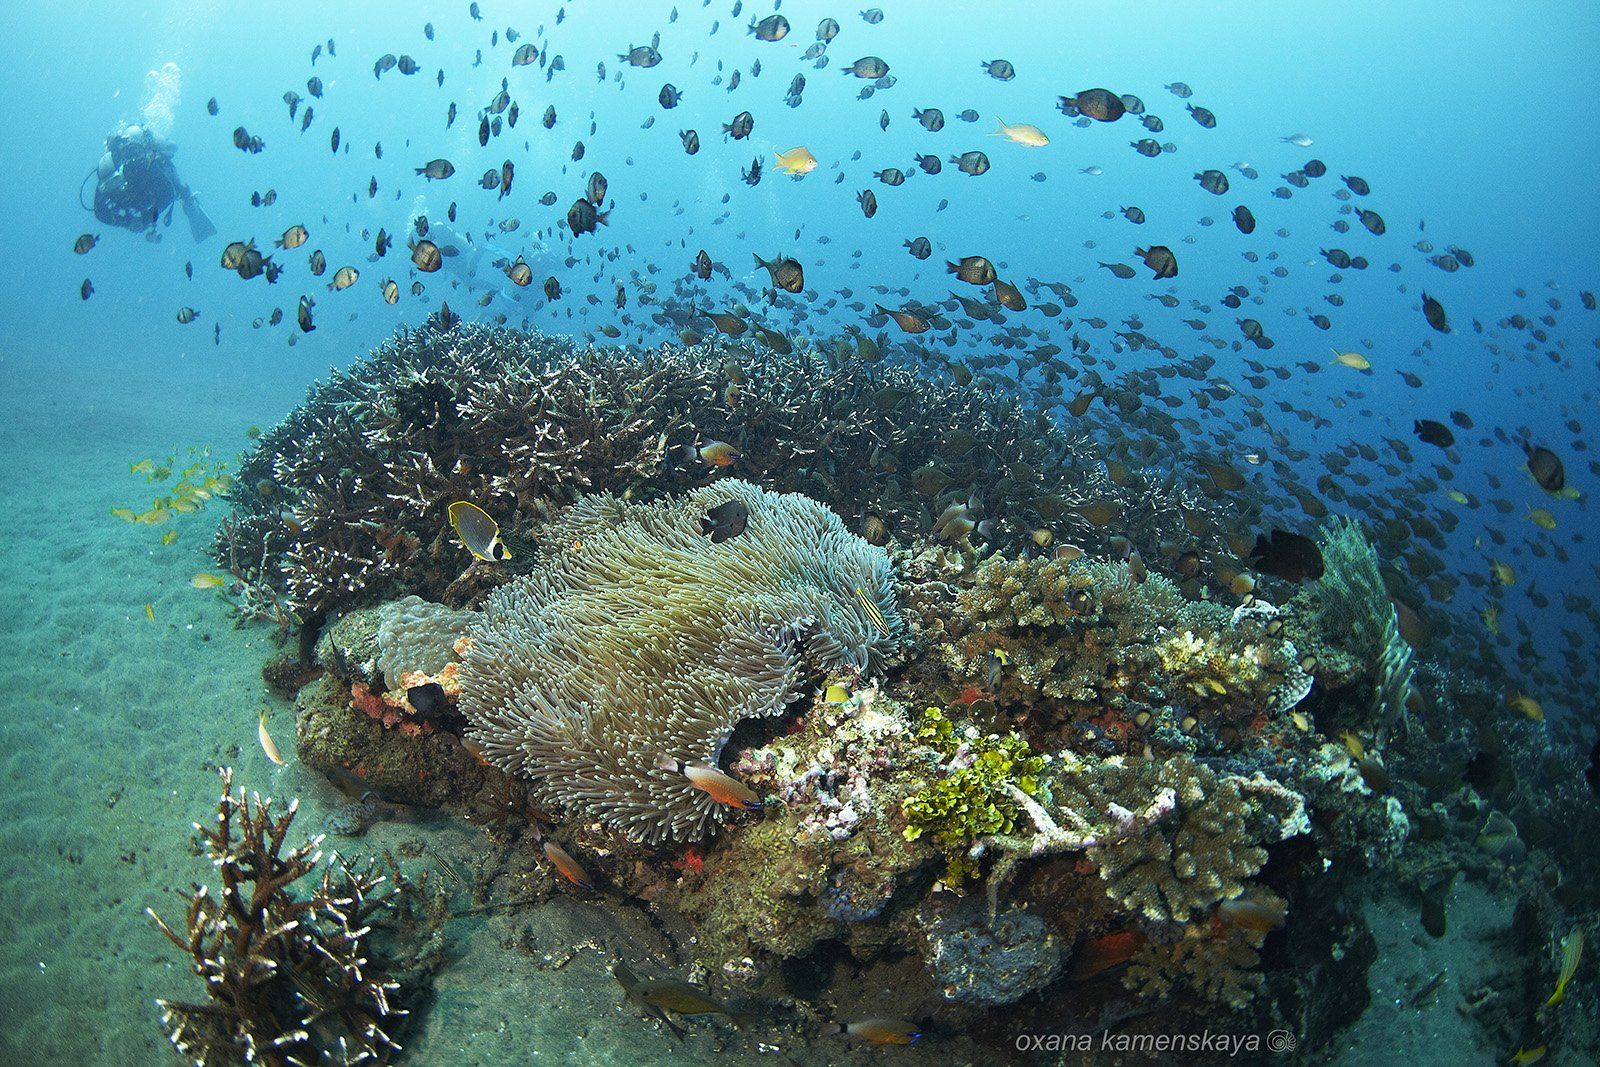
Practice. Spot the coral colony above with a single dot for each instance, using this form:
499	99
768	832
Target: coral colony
293	974
902	676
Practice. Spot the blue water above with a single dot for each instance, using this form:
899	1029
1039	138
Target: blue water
1471	123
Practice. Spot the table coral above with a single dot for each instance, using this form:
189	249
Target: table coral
344	502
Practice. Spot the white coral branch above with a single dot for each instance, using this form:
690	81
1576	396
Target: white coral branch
1050	837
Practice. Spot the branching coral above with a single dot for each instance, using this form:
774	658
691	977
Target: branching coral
1175	867
344	502
289	979
1217	960
1090	636
640	638
1074	634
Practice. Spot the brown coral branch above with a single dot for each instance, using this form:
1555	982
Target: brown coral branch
289	980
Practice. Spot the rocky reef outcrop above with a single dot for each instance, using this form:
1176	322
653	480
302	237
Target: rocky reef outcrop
1009	761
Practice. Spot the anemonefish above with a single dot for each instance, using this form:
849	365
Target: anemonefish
723	788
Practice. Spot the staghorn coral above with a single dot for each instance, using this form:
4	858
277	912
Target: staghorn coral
639	638
288	979
344	502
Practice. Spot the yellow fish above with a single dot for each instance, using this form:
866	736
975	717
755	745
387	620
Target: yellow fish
872	611
142	467
1353	743
169	537
1458	496
797	161
1528	706
149	611
836	694
125	514
1526	1056
1491	619
203	580
1021	133
1571	953
478	532
1502	572
268	745
1542	518
1353	360
154	517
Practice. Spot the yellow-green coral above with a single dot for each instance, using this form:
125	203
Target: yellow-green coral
968	799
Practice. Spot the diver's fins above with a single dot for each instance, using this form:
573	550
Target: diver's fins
199	223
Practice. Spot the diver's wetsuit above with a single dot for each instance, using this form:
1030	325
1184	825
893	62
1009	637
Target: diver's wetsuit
140	184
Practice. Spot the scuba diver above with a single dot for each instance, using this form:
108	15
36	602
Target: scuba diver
135	184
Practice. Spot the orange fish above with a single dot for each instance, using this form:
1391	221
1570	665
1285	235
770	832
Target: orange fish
723	788
1251	914
715	453
569	868
880	1031
1103	953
